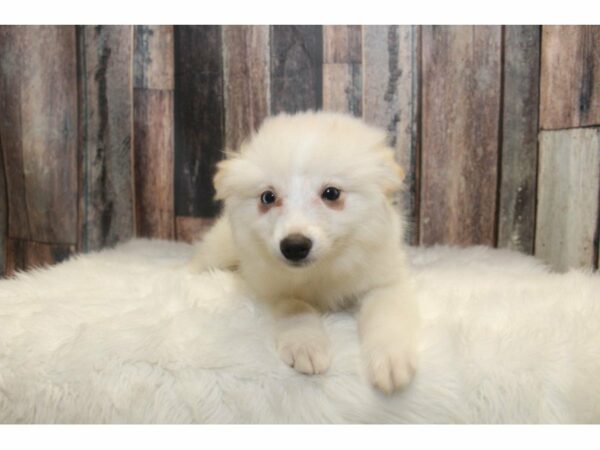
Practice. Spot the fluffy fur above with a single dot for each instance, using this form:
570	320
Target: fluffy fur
356	255
130	336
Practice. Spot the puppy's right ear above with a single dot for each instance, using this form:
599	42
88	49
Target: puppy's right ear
234	177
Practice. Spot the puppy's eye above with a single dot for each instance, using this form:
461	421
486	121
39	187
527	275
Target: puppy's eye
267	197
331	194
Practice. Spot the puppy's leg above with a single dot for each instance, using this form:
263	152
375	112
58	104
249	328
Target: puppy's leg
216	249
389	326
300	337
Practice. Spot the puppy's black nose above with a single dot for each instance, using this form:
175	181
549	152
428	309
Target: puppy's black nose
295	247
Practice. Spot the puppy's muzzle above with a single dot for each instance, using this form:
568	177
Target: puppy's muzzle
295	247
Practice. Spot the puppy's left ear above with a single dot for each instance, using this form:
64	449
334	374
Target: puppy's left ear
392	173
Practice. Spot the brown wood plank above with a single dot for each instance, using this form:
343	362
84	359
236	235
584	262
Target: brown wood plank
153	57
342	44
296	68
3	213
106	115
246	80
191	229
516	216
461	107
568	193
391	101
570	73
199	118
38	124
25	255
154	152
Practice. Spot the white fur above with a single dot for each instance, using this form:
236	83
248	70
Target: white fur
357	241
129	335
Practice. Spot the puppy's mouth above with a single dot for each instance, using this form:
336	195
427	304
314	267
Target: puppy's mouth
298	264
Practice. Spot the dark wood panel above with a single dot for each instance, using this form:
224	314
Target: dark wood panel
153	57
391	101
296	68
199	118
38	124
246	80
570	76
516	216
191	229
461	107
154	150
24	255
106	114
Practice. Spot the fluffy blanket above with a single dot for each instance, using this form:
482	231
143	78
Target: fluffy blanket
127	335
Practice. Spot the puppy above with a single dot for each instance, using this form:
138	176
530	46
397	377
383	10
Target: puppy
308	220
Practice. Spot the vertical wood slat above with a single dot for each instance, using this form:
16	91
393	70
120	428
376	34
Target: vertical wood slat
518	166
246	81
568	194
38	124
296	68
570	73
342	68
154	131
391	101
199	118
461	107
3	213
25	255
106	109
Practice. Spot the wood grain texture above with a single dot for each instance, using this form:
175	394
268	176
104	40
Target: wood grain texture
153	57
342	44
154	153
568	193
570	75
38	124
461	107
106	115
296	68
199	118
516	209
191	229
391	101
246	81
3	213
25	255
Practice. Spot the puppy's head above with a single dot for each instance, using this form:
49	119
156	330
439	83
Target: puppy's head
305	186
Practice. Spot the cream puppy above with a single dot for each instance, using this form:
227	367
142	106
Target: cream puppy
308	220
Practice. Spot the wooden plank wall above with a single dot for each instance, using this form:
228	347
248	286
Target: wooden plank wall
496	127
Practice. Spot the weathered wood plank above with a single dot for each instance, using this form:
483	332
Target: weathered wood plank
153	57
38	124
391	101
570	73
568	193
106	114
342	44
199	118
516	216
154	152
461	107
191	229
246	80
296	68
3	213
24	255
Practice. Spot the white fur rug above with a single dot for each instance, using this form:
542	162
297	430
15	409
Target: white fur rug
128	336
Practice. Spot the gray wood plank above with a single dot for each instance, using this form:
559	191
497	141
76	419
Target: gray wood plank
153	57
246	80
391	101
3	213
460	118
516	216
296	68
106	114
568	194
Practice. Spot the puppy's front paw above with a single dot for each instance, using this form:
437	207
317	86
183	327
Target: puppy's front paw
390	368
306	352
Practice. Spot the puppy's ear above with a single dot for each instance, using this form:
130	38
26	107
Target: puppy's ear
392	173
234	177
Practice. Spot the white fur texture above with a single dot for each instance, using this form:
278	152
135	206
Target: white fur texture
356	256
129	335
